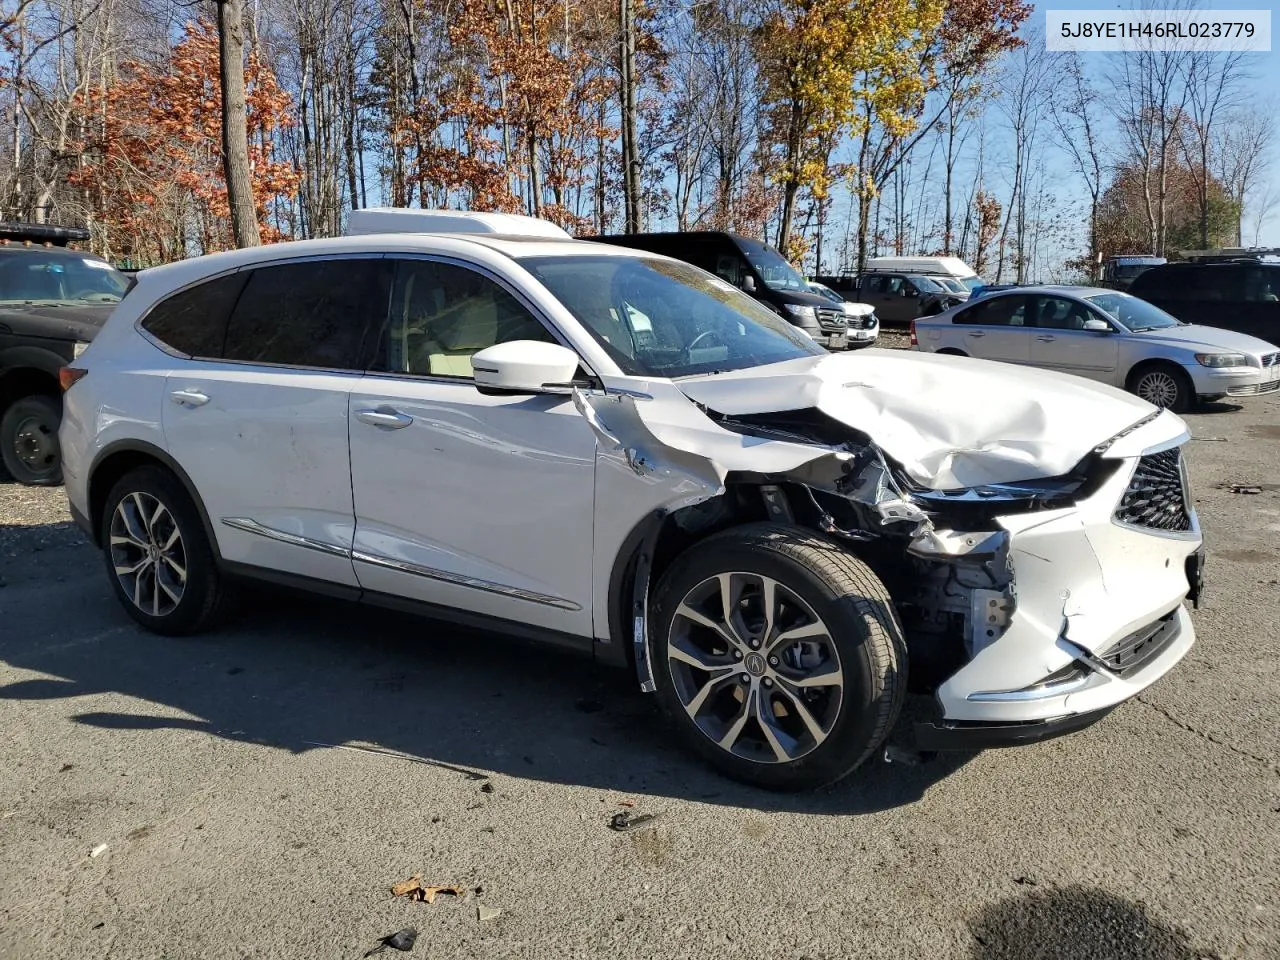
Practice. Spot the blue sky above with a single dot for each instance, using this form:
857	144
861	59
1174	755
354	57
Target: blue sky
1263	88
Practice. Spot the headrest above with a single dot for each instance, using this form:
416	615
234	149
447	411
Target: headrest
474	326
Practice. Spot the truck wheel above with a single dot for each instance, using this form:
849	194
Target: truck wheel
777	655
158	557
29	441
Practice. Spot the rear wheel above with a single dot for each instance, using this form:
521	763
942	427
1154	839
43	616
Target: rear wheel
157	554
1163	385
29	441
950	352
777	655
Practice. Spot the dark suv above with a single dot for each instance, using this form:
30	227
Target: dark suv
52	302
1240	295
756	269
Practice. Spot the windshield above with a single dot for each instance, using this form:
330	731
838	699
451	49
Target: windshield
1137	315
927	284
826	292
776	273
662	318
972	283
32	277
951	284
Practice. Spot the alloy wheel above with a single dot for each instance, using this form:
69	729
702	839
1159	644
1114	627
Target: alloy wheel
755	668
147	554
1159	388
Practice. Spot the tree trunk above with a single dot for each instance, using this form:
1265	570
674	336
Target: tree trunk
235	135
627	88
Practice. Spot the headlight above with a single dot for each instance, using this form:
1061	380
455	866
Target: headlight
801	312
1222	360
79	349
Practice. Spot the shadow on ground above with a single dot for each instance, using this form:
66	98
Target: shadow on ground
301	673
1076	923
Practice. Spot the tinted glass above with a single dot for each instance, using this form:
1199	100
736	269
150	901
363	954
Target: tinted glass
194	321
660	318
1135	314
776	273
322	313
995	312
1262	285
442	314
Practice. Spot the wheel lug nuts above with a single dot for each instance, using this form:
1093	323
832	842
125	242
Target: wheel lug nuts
773	661
737	654
768	682
755	644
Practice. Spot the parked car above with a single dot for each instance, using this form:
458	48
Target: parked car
1108	336
898	298
52	302
1120	272
864	326
756	269
1240	295
619	453
949	267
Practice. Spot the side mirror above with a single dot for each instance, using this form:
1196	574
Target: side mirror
1097	326
748	284
524	366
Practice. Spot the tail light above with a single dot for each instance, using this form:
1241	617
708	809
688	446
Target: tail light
915	342
68	376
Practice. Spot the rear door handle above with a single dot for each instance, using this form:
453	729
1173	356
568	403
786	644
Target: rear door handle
189	398
976	333
1046	338
384	417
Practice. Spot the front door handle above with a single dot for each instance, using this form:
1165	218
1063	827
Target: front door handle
976	333
384	417
1046	338
189	398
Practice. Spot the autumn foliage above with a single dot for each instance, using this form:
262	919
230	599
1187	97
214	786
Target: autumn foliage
152	155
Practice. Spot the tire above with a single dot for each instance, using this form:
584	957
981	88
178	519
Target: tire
728	683
1164	385
951	352
29	441
178	590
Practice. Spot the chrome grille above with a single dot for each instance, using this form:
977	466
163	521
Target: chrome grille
1270	360
829	319
863	323
1157	495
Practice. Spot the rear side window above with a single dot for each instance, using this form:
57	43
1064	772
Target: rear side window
322	313
995	312
194	322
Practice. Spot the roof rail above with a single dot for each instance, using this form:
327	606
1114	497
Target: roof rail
1228	254
399	220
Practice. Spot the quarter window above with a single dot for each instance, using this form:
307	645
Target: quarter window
194	322
442	314
319	313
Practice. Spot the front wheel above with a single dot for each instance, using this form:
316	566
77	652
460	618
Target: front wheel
1163	385
777	655
29	441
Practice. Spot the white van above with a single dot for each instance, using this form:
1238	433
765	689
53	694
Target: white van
933	266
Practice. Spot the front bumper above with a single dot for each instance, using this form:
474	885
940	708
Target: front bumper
1086	586
985	736
1233	381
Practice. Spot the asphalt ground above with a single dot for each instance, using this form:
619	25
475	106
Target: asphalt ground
255	792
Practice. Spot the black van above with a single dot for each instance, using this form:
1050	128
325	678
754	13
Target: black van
1240	295
755	268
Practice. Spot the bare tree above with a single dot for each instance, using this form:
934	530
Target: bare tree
1212	89
1079	115
1242	146
235	135
1025	102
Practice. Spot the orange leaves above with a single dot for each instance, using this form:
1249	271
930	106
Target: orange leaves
154	148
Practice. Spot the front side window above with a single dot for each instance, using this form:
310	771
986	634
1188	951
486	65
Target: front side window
1059	313
663	318
1134	314
443	314
194	321
995	312
1262	285
318	313
33	277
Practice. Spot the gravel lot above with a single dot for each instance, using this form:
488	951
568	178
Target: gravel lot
258	790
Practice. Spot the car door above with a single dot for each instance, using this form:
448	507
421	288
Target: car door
995	328
884	292
261	428
1258	313
1060	342
473	502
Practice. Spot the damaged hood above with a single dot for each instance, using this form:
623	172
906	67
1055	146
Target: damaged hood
952	422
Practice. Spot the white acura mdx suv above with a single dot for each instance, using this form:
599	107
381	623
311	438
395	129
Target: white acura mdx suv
479	418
